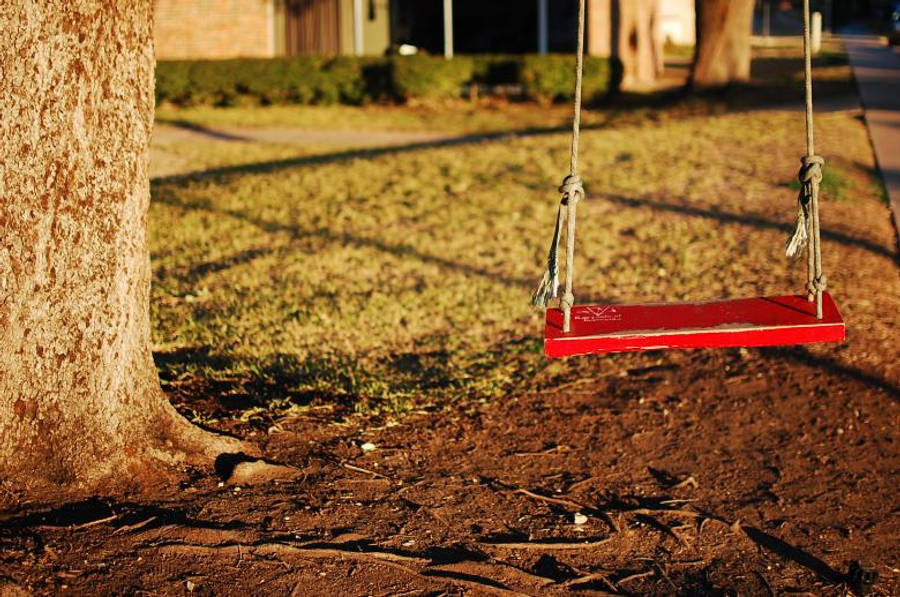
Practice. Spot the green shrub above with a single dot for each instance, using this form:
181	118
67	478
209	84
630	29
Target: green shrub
349	80
552	77
497	69
173	81
429	77
342	81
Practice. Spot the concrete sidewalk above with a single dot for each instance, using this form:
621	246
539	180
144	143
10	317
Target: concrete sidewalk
877	71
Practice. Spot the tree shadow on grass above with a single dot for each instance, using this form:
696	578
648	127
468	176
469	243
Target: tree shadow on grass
748	219
203	130
205	384
168	197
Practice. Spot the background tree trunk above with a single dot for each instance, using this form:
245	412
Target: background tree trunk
723	42
628	30
638	41
80	402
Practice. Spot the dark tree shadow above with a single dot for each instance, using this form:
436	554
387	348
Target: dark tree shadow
202	130
750	220
799	354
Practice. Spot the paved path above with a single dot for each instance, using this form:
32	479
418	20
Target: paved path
877	71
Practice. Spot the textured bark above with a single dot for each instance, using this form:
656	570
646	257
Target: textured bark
80	402
723	42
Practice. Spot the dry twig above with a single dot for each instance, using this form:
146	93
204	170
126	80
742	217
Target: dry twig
636	576
359	469
547	545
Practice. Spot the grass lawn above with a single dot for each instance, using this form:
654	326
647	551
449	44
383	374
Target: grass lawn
388	279
400	278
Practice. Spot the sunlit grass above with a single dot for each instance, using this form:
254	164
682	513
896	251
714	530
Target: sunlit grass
397	279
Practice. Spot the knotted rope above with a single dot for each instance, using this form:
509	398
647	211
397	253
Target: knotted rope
807	234
572	190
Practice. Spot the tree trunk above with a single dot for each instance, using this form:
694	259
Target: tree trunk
723	42
628	30
80	403
599	28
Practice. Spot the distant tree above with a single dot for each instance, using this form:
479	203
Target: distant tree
722	55
628	30
80	402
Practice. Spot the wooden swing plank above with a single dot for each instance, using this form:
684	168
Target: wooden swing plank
764	321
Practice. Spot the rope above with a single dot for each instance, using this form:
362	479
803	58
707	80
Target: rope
807	233
572	190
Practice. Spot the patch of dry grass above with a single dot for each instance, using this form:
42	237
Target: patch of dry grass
401	278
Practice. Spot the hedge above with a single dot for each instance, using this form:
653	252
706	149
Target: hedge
322	80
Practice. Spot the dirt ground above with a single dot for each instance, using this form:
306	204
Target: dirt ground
749	472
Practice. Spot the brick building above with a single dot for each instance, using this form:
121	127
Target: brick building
267	28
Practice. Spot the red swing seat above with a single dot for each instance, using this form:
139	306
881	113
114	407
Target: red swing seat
765	321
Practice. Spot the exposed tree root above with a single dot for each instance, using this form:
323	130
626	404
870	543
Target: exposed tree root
258	471
459	574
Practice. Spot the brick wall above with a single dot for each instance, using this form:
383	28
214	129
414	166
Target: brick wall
213	28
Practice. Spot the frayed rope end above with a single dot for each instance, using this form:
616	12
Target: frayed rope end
797	242
546	291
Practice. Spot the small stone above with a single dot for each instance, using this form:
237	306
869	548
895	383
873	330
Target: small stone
579	518
190	586
367	447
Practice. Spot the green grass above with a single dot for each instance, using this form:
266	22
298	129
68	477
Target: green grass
835	184
391	280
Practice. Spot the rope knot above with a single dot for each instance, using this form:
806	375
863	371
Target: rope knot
811	170
572	186
818	284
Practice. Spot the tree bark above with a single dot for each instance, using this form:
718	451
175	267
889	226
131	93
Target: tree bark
80	403
723	42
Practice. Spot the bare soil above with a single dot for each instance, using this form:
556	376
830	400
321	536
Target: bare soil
747	472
